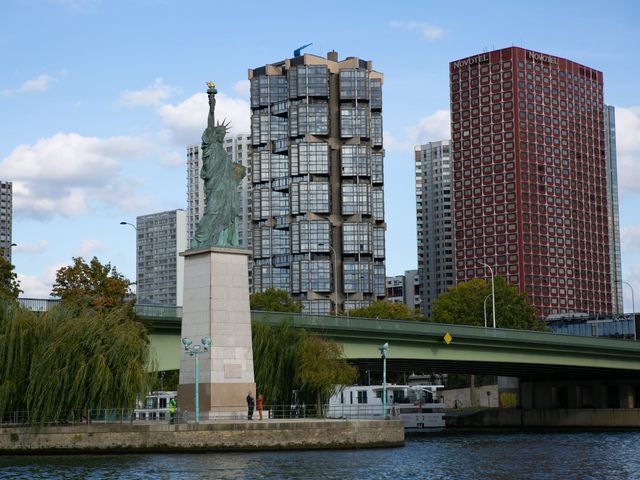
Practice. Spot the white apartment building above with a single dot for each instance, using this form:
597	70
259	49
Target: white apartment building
434	220
160	237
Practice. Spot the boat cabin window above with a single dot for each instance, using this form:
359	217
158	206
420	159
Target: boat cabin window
163	402
151	402
362	396
351	396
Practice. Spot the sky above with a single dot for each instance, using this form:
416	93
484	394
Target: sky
100	98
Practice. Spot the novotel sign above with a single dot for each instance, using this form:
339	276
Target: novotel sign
471	61
542	57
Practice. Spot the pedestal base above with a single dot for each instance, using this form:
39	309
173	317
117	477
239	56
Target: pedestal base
216	399
216	305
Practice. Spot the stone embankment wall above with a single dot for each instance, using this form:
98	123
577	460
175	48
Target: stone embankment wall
470	397
561	418
218	436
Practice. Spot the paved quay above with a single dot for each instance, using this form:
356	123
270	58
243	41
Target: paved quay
232	435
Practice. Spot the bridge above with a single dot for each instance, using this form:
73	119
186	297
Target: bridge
421	346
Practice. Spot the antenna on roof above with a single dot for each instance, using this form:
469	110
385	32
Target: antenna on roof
296	52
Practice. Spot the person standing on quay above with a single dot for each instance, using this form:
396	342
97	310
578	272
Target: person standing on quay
250	404
173	405
259	405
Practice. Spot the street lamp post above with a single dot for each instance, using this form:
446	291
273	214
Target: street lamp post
131	224
194	351
633	307
493	293
384	349
485	309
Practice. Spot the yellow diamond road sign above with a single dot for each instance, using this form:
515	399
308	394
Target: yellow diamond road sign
447	338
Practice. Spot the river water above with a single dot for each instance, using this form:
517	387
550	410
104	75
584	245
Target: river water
565	455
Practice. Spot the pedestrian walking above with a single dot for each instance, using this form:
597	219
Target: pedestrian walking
173	406
259	405
250	404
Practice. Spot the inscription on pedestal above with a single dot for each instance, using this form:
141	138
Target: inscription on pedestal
232	370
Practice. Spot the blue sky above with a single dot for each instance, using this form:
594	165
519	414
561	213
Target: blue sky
98	100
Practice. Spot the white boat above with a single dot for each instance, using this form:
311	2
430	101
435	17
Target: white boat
155	406
416	405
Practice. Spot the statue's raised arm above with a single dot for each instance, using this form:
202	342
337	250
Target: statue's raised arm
211	91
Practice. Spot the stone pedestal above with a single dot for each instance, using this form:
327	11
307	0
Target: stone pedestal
216	305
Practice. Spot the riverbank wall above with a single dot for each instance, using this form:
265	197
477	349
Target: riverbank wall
557	418
299	434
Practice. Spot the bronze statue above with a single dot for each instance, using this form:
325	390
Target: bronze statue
218	226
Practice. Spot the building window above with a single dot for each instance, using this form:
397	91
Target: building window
354	84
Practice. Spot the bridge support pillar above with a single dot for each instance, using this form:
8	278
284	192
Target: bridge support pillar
626	396
573	396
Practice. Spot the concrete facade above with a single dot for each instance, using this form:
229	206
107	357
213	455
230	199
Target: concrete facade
216	305
160	237
434	220
219	436
317	181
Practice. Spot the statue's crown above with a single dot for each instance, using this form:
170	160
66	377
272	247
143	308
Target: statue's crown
211	84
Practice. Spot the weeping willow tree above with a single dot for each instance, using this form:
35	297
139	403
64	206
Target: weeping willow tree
287	359
275	351
69	360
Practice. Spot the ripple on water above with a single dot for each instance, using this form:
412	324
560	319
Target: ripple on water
566	456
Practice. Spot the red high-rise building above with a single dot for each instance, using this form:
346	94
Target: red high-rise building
530	199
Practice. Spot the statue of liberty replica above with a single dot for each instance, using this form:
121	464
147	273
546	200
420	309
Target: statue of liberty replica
216	290
218	225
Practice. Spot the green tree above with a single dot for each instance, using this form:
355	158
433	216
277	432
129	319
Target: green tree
464	304
384	309
91	284
9	284
272	300
65	361
287	359
321	366
275	350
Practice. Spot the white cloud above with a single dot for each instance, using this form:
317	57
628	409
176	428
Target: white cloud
393	144
188	119
431	128
242	88
628	148
39	84
32	248
173	159
152	95
630	238
429	32
89	248
69	174
39	286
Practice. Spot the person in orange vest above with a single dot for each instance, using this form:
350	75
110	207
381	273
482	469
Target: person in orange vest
259	405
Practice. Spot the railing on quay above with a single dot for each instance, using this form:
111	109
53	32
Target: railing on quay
232	413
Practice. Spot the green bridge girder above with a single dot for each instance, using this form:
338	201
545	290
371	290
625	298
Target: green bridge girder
420	346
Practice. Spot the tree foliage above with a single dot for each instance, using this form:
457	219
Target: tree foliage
287	359
321	367
275	352
65	361
464	304
91	284
272	300
9	284
384	309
